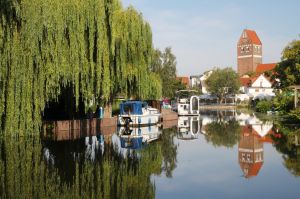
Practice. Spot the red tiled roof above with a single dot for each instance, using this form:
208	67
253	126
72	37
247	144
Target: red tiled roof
184	80
253	37
245	81
261	68
248	81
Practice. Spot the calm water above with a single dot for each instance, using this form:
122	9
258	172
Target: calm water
217	155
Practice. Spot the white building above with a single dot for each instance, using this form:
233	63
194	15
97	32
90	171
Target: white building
203	78
195	81
258	87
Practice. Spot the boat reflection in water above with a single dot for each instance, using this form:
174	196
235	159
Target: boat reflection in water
189	127
136	138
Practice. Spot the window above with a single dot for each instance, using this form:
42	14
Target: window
248	157
244	34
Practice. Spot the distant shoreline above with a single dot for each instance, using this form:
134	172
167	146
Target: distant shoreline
217	107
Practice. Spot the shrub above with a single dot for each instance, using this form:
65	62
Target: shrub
295	114
264	106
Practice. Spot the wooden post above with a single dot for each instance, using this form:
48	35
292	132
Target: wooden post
296	97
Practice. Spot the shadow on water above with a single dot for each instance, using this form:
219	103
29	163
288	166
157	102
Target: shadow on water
88	167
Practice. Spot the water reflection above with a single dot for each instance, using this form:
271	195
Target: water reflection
287	142
250	152
189	127
88	167
136	138
223	128
97	166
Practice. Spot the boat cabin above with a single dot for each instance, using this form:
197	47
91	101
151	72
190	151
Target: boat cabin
132	107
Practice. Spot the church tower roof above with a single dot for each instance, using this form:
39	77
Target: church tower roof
251	34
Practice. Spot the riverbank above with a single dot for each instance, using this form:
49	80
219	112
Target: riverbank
75	129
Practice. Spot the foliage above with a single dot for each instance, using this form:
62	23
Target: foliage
95	47
284	101
223	82
288	70
263	106
295	114
164	64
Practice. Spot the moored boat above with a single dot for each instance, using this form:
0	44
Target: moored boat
137	113
187	103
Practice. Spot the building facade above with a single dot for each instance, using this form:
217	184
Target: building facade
257	87
249	52
195	81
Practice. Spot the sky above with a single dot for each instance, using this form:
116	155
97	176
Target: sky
203	34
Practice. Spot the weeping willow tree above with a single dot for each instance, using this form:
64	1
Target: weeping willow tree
95	47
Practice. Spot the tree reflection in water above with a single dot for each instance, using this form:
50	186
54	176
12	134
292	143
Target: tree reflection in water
288	143
223	133
31	168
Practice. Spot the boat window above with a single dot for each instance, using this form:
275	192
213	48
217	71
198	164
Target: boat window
144	105
128	108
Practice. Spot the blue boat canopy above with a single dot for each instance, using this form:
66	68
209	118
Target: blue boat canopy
132	107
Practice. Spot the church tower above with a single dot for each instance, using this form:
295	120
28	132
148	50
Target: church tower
249	52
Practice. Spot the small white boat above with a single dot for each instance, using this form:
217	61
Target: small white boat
137	113
189	127
186	103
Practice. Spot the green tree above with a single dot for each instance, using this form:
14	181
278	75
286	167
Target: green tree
95	49
164	64
288	70
223	82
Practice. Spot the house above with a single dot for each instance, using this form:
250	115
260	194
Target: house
203	78
195	81
257	87
184	80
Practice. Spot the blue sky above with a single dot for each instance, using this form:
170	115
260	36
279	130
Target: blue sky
203	33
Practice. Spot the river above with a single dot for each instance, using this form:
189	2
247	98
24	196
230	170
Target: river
217	155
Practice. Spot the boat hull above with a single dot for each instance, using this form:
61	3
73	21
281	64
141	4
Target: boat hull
188	106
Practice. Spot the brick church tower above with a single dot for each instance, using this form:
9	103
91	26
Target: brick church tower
249	52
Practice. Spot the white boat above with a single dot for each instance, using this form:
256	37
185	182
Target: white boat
137	113
135	138
186	103
189	127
